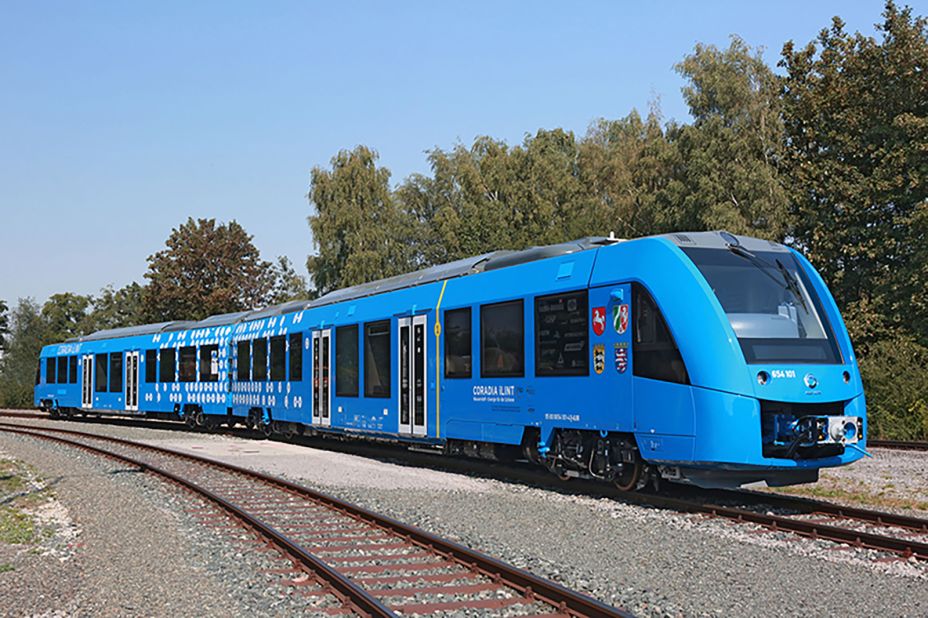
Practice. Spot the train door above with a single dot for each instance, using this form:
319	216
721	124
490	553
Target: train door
87	380
132	381
413	367
322	374
611	343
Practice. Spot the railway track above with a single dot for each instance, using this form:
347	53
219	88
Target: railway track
904	536
355	560
905	445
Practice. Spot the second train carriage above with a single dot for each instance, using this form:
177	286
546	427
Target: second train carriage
702	357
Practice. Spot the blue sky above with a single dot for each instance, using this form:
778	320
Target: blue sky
120	119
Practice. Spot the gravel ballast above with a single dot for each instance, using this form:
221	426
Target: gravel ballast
652	562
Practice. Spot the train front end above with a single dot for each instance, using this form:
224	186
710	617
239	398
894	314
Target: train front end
776	391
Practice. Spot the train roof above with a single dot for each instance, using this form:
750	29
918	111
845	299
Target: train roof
494	260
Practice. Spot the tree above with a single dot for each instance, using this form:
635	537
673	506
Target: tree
206	269
359	233
856	117
288	284
733	151
27	334
65	316
115	308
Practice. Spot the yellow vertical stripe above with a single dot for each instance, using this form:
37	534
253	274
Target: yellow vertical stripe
438	360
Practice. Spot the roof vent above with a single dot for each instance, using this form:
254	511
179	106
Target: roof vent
683	238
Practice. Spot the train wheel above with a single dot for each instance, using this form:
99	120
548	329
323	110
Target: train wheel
631	474
266	429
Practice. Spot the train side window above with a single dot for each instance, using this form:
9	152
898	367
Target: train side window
115	372
654	352
38	372
101	364
502	340
50	371
562	335
243	361
62	376
168	365
377	359
151	366
458	354
296	357
208	371
72	370
188	364
278	358
259	358
347	368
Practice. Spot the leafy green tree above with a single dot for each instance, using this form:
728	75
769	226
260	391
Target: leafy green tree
896	384
288	284
65	315
206	269
358	231
115	308
733	151
27	334
856	118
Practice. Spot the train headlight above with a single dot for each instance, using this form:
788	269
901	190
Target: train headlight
762	377
846	376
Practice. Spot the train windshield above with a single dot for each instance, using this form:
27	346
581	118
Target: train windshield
770	303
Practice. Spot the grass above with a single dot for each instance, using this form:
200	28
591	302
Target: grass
862	497
6	567
16	527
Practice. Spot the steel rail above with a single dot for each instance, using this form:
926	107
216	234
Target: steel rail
531	585
343	588
904	445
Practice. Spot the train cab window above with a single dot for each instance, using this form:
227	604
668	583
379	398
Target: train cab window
243	361
38	373
347	368
654	353
62	370
50	371
116	372
101	364
188	364
458	355
72	370
259	360
502	340
168	365
209	363
296	357
562	335
151	366
377	359
278	359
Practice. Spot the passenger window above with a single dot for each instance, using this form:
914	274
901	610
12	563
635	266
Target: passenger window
116	372
458	355
654	352
296	357
151	366
168	365
259	365
377	359
101	363
62	370
562	335
50	371
72	370
278	359
243	361
502	346
188	364
347	367
209	363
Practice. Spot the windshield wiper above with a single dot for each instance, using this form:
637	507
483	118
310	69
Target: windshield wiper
788	282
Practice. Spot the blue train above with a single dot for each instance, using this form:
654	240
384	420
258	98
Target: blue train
704	357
